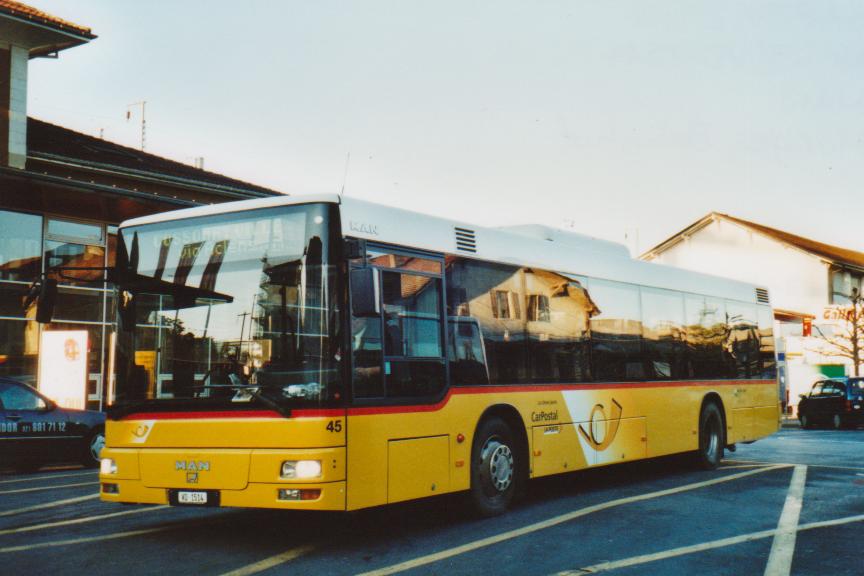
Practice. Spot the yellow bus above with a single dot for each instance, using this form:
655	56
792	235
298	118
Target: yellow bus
326	353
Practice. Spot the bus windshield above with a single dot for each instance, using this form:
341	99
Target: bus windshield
229	310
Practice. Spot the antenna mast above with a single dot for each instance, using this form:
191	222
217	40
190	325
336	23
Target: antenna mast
345	174
143	105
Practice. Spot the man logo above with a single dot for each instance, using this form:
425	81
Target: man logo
192	465
191	477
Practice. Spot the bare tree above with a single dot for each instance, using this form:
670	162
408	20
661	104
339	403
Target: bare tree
848	340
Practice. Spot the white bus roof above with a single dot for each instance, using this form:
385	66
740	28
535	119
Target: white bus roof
529	245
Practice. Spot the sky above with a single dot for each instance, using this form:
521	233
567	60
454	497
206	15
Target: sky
624	120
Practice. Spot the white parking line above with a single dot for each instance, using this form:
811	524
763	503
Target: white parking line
77	520
783	547
49	505
825	466
268	563
471	546
646	558
85	540
33	478
43	488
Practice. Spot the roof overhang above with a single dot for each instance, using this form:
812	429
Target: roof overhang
39	38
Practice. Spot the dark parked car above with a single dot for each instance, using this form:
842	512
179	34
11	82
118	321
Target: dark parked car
838	402
35	431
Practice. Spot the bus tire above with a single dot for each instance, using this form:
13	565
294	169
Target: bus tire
494	467
711	437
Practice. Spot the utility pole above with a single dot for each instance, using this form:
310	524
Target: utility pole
143	105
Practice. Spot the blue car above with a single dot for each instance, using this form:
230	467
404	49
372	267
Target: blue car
35	431
837	402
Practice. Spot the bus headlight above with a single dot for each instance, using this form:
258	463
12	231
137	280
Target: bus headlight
107	466
301	469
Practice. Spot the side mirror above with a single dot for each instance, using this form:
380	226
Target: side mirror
50	406
365	292
125	311
802	396
42	294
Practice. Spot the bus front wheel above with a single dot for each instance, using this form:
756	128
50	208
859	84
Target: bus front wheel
711	437
494	467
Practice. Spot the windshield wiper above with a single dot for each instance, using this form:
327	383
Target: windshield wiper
253	391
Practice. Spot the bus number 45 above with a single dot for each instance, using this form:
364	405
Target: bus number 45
334	426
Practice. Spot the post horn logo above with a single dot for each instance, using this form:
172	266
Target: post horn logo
602	430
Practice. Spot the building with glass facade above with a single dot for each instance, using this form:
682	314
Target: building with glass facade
62	195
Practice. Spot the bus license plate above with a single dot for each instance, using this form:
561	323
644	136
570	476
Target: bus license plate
192	497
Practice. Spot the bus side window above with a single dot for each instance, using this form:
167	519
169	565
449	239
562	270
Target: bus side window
413	347
466	355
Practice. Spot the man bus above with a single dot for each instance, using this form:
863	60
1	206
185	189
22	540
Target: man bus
325	353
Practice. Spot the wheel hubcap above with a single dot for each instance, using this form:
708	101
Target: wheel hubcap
96	446
500	460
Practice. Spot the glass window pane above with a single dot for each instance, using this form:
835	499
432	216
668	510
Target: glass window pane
616	332
18	398
488	294
75	255
76	304
766	344
80	230
412	263
20	246
707	334
663	334
412	315
11	299
743	338
414	378
19	350
559	311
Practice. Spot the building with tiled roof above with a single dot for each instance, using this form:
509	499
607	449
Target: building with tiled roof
807	282
62	195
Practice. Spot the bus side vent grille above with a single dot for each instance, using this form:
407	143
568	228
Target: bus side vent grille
762	296
466	241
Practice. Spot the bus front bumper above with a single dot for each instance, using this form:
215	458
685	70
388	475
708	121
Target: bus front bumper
222	477
330	496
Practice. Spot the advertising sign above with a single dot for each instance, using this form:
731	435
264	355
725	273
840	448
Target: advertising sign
63	367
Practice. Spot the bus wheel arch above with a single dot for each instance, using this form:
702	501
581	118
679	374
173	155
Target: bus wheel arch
711	432
499	460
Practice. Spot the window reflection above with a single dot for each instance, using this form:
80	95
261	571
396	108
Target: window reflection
19	349
576	330
63	254
20	246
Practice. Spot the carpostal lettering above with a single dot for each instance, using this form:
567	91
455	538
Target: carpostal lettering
544	416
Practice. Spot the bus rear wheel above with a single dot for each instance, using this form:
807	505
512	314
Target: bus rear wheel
711	437
494	467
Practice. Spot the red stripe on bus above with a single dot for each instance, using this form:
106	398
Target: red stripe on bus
202	415
414	408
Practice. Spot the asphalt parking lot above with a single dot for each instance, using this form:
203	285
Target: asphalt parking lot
789	504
